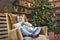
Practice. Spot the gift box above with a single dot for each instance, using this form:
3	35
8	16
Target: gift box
51	36
57	36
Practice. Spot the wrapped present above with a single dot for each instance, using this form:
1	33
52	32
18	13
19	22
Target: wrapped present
57	36
51	35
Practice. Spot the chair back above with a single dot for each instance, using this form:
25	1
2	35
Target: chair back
44	30
13	33
11	19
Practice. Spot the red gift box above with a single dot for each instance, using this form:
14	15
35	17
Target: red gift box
57	36
51	36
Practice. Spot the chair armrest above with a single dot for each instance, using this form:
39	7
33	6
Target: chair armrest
15	34
12	30
44	30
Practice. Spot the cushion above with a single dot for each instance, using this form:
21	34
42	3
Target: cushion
17	25
13	18
13	34
41	37
44	30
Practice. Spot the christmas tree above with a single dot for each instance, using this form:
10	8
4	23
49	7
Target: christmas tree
42	14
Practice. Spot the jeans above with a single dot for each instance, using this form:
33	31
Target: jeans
34	32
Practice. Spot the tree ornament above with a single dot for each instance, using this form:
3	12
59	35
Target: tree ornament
47	3
43	8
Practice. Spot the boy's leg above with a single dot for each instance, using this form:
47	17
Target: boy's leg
37	31
25	32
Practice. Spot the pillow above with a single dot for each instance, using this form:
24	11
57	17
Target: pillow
17	25
13	18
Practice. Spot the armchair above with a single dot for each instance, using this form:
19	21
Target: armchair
16	34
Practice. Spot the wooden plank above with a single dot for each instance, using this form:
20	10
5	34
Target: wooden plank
3	18
19	13
3	29
3	22
57	13
3	33
53	0
24	6
58	23
30	1
3	36
4	39
57	10
3	25
57	4
58	18
2	14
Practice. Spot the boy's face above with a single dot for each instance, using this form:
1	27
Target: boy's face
20	18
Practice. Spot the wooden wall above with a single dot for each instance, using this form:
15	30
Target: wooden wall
3	27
